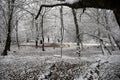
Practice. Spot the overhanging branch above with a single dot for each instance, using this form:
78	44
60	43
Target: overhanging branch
103	4
50	5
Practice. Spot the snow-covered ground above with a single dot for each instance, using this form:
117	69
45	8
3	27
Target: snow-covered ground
33	64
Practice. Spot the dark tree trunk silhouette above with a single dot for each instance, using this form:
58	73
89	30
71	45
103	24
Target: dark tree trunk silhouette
77	29
43	46
48	39
9	26
37	35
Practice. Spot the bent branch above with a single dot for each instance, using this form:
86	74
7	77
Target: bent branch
50	5
103	4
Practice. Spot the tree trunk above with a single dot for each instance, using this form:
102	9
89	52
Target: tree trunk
17	40
48	39
62	28
43	47
9	26
102	47
117	41
77	29
35	25
37	35
117	15
107	27
111	42
8	42
36	43
101	42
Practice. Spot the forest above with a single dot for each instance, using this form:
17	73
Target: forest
59	40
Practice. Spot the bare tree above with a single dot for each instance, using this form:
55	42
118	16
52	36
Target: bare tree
77	28
62	27
103	4
37	35
107	27
78	37
102	19
42	21
10	12
10	4
17	39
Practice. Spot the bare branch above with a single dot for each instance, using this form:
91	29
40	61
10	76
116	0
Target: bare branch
49	5
103	4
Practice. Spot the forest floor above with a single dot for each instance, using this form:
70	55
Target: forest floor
29	63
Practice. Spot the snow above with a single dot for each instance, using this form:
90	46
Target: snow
32	59
93	58
71	1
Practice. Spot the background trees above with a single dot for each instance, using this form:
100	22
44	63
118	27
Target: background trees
88	4
93	21
58	28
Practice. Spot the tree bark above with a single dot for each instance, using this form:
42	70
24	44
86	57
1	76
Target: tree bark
9	26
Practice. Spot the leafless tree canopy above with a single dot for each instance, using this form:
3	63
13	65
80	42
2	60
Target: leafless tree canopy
103	4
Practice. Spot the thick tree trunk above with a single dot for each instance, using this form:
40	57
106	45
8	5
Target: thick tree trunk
9	26
8	43
8	40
